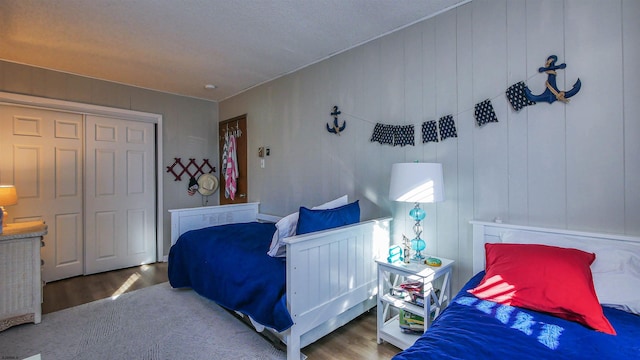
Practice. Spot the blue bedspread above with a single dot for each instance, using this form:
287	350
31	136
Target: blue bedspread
474	329
229	265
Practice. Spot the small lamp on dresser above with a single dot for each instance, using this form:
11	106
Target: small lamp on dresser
8	196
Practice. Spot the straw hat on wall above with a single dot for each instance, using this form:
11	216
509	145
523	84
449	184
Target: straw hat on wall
207	184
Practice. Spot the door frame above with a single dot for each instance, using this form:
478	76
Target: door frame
88	109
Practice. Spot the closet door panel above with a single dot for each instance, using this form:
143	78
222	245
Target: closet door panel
41	154
120	194
68	226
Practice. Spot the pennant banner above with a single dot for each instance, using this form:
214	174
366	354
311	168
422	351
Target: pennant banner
445	127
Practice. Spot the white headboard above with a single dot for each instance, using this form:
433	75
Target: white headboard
489	232
183	220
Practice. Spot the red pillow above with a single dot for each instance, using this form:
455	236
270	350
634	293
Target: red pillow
543	278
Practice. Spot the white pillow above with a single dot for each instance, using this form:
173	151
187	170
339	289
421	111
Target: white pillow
286	227
616	270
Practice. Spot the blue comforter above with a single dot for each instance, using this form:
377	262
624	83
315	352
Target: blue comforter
474	329
229	265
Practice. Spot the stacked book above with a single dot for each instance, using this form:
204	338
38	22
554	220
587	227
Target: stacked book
413	293
411	323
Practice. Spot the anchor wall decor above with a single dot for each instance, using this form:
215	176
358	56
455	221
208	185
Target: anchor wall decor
336	128
551	93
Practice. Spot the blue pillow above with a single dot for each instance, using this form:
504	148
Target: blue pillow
316	220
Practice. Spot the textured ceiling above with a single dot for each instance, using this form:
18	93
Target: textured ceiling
179	46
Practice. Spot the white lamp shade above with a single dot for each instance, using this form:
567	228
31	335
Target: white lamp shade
8	195
416	182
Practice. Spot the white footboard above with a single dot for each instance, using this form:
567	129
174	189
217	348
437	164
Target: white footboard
328	274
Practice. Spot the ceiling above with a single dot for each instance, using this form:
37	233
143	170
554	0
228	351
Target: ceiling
180	46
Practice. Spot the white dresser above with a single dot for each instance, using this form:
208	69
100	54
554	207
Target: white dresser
20	285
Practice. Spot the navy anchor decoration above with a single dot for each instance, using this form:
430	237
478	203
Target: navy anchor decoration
336	128
551	93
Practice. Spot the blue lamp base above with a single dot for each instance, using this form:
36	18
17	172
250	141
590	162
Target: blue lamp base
418	245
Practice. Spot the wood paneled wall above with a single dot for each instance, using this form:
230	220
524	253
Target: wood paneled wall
574	166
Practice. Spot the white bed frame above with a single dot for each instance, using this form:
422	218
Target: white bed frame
331	274
488	232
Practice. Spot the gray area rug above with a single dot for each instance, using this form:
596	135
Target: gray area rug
152	323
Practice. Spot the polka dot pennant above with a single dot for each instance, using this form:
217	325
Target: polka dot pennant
484	113
429	131
517	98
394	134
403	135
377	133
383	134
447	127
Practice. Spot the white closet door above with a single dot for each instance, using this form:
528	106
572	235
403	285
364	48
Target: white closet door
119	194
41	154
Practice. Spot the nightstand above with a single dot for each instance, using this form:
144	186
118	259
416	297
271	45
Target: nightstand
398	306
20	285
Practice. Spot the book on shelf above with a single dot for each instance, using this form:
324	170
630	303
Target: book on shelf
416	298
410	322
411	292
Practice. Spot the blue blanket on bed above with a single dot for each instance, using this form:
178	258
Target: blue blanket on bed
470	328
229	265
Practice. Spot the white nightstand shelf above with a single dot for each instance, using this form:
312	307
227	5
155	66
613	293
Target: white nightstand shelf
436	293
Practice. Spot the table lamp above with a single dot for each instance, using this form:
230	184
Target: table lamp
8	196
417	183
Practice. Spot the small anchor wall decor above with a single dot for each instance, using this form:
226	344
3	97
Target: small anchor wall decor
336	128
551	93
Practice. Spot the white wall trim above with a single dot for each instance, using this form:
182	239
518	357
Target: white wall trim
88	109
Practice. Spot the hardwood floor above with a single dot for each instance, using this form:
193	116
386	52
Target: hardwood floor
79	290
356	340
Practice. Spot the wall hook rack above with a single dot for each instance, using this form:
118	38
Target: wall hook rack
191	168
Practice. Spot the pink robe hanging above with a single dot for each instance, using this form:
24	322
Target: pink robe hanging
231	171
